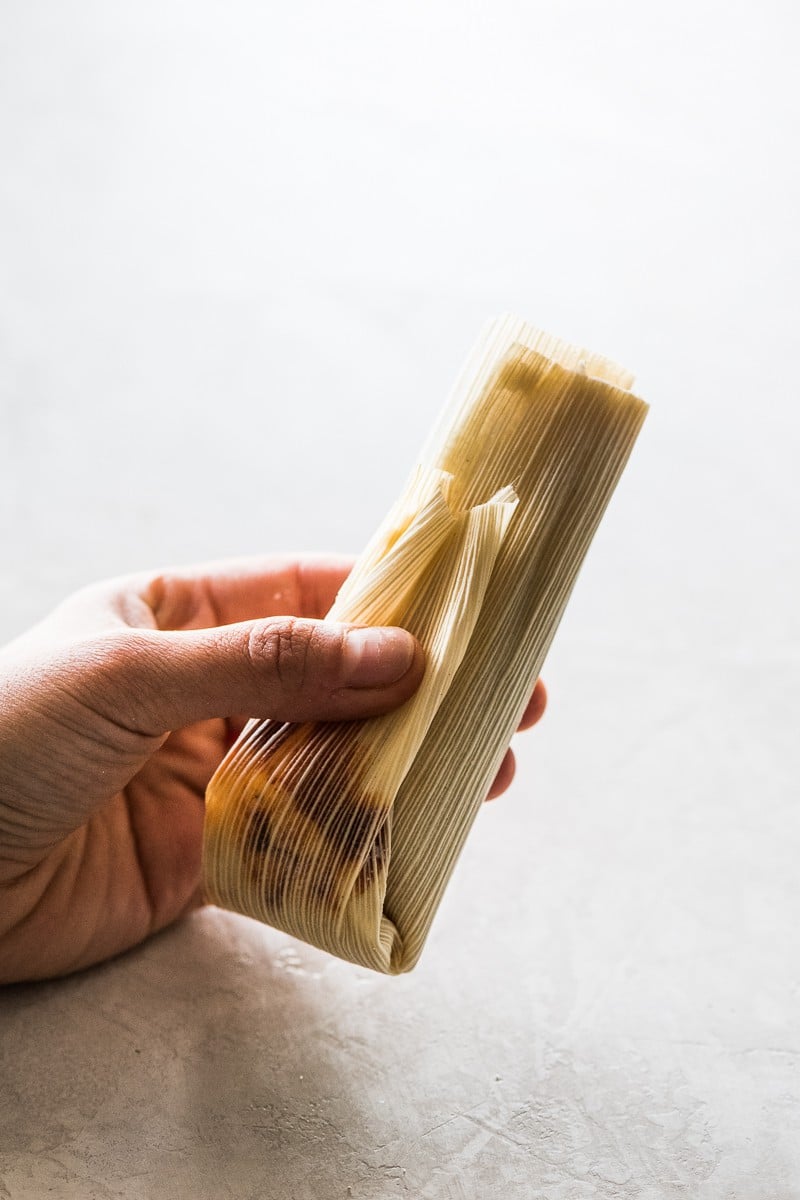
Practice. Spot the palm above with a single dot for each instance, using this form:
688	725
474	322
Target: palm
135	866
164	805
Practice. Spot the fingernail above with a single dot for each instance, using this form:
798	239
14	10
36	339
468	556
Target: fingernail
376	657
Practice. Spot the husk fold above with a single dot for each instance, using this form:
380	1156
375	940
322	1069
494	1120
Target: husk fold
345	835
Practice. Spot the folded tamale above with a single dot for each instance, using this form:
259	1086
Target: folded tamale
345	835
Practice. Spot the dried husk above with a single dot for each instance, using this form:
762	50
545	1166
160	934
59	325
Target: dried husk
345	835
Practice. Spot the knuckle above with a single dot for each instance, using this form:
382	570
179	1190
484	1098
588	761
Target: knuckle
285	648
172	599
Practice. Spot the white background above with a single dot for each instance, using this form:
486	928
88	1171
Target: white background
243	250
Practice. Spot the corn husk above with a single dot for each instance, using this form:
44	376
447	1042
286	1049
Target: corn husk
345	835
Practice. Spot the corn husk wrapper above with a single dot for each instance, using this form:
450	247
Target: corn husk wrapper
345	835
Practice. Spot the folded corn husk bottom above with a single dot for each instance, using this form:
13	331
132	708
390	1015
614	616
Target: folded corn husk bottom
345	835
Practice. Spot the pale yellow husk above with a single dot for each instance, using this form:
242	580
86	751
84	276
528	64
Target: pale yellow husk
346	835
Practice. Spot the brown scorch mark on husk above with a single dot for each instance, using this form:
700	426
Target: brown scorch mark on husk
305	829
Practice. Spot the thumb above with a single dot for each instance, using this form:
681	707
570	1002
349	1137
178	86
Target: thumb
282	667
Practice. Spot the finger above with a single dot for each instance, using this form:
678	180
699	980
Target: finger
226	593
283	667
200	597
536	706
504	776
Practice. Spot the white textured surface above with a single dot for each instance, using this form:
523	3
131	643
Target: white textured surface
243	250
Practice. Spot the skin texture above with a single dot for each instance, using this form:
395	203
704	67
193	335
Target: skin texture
116	710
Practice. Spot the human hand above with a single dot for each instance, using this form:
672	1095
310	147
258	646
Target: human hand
117	710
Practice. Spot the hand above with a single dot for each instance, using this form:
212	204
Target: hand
101	806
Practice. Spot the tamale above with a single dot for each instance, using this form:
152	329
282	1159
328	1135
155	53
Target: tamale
345	835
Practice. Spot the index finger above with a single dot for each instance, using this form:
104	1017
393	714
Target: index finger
233	590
